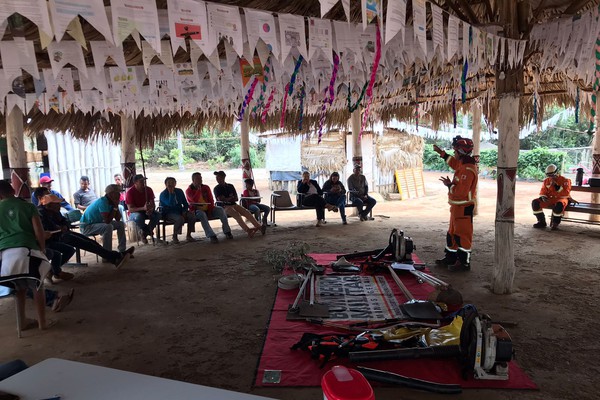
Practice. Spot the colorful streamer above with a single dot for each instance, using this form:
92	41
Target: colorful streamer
289	89
248	98
463	82
283	107
577	107
535	111
454	109
263	117
372	80
263	89
329	94
595	86
353	107
302	96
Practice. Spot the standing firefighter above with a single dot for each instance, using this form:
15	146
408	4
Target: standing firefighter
555	193
461	197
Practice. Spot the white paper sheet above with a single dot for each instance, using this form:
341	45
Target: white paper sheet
138	15
165	55
64	11
35	10
292	35
188	18
102	50
438	28
16	54
452	36
395	20
420	24
261	25
319	37
66	52
224	22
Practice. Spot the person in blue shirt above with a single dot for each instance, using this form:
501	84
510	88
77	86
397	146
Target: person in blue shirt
102	217
174	207
46	181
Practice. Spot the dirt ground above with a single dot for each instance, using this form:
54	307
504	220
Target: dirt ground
197	312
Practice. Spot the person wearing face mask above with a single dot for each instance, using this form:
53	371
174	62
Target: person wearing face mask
555	193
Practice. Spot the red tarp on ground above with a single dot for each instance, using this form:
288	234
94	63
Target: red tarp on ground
298	369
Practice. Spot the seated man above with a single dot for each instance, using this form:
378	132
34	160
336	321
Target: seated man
175	209
140	203
313	197
102	217
359	194
203	206
226	194
85	195
335	193
252	205
122	205
46	182
22	247
555	193
63	239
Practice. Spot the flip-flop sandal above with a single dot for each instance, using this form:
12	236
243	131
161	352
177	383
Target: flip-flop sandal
63	301
29	324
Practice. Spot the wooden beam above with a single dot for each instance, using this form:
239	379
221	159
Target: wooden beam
470	13
488	9
576	6
457	11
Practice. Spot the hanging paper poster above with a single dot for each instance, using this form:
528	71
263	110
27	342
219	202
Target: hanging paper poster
160	78
419	23
224	22
188	19
136	15
370	10
465	41
249	70
395	19
35	10
102	50
319	37
366	43
165	55
124	81
438	28
261	25
163	23
452	36
186	79
326	5
54	102
292	35
66	52
64	11
16	54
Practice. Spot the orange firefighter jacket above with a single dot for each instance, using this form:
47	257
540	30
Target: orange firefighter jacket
556	188
464	183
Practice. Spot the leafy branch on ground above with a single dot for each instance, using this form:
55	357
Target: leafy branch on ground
293	256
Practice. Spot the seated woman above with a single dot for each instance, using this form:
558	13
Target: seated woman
313	197
335	193
254	206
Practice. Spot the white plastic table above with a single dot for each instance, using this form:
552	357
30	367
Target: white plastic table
74	380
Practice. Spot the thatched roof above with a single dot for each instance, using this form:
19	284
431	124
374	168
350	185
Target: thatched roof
404	78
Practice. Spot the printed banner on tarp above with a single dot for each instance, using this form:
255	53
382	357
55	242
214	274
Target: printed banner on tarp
357	297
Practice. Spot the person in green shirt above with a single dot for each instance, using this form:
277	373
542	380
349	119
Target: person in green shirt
22	258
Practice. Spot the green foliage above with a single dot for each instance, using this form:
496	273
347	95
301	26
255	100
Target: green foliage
257	157
572	136
539	159
489	158
530	172
172	159
432	161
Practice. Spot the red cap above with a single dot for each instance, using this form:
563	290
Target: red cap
46	179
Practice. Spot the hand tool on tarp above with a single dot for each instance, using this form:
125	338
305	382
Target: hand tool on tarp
413	308
443	293
305	309
414	383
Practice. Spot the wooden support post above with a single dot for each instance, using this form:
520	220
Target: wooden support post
245	148
476	112
356	145
509	89
128	143
17	158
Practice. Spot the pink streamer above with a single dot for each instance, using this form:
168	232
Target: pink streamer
263	117
248	98
372	80
329	99
283	107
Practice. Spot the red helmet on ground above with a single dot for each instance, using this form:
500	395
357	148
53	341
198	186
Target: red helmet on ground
464	146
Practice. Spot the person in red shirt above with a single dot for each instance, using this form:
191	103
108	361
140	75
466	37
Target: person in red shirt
555	193
201	201
140	203
461	197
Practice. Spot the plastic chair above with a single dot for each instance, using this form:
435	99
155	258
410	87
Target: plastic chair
281	201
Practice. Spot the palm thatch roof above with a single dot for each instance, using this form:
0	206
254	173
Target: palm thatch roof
403	80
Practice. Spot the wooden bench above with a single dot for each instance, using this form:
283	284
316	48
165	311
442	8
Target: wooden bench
583	207
281	201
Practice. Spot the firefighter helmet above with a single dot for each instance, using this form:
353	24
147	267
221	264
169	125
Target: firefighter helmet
551	170
464	146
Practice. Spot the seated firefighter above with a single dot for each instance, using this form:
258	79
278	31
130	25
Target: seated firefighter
63	239
554	194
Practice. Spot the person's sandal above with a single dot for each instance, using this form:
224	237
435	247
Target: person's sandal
62	301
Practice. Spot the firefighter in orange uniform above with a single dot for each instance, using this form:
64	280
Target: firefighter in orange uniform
555	193
461	197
